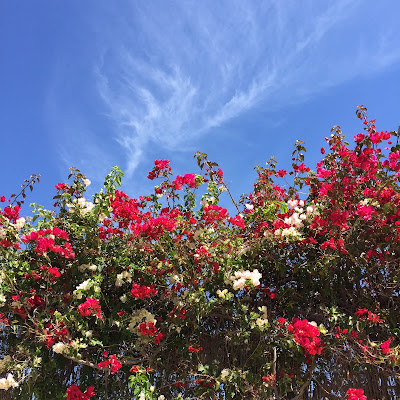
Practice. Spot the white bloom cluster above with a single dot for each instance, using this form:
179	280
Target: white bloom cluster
369	201
123	277
245	278
262	322
6	383
296	220
82	205
90	267
60	347
124	298
224	374
222	293
139	317
206	201
19	223
84	287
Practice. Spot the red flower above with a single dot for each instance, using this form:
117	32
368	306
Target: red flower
89	307
74	393
143	292
281	173
359	138
61	186
194	349
385	346
306	335
355	394
112	361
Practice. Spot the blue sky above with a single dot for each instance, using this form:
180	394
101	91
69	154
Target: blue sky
100	83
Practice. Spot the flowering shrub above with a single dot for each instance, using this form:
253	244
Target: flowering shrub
169	295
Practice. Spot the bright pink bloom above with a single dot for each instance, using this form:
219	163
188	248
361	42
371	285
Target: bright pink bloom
112	362
143	292
385	346
306	335
355	394
74	393
89	307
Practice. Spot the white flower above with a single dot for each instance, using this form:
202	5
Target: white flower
140	316
224	374
142	396
161	397
2	300
86	182
293	203
6	383
310	209
249	206
92	267
89	334
222	293
123	298
261	323
241	278
81	202
59	347
84	285
88	207
120	278
152	389
19	223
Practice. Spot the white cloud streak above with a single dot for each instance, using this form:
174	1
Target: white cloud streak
173	71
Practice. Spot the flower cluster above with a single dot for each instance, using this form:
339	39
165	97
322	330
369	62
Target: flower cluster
306	335
161	168
149	329
8	382
45	242
187	179
369	316
241	279
90	307
143	292
74	393
139	317
355	394
111	362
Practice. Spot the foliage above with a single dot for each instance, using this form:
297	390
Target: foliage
166	296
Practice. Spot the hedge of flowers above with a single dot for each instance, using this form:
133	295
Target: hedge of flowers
171	296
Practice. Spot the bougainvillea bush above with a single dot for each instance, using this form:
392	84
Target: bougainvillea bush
294	294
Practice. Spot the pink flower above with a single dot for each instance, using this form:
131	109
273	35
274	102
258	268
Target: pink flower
306	335
89	307
74	393
385	346
359	138
355	394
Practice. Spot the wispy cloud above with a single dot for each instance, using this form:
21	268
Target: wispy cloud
173	71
